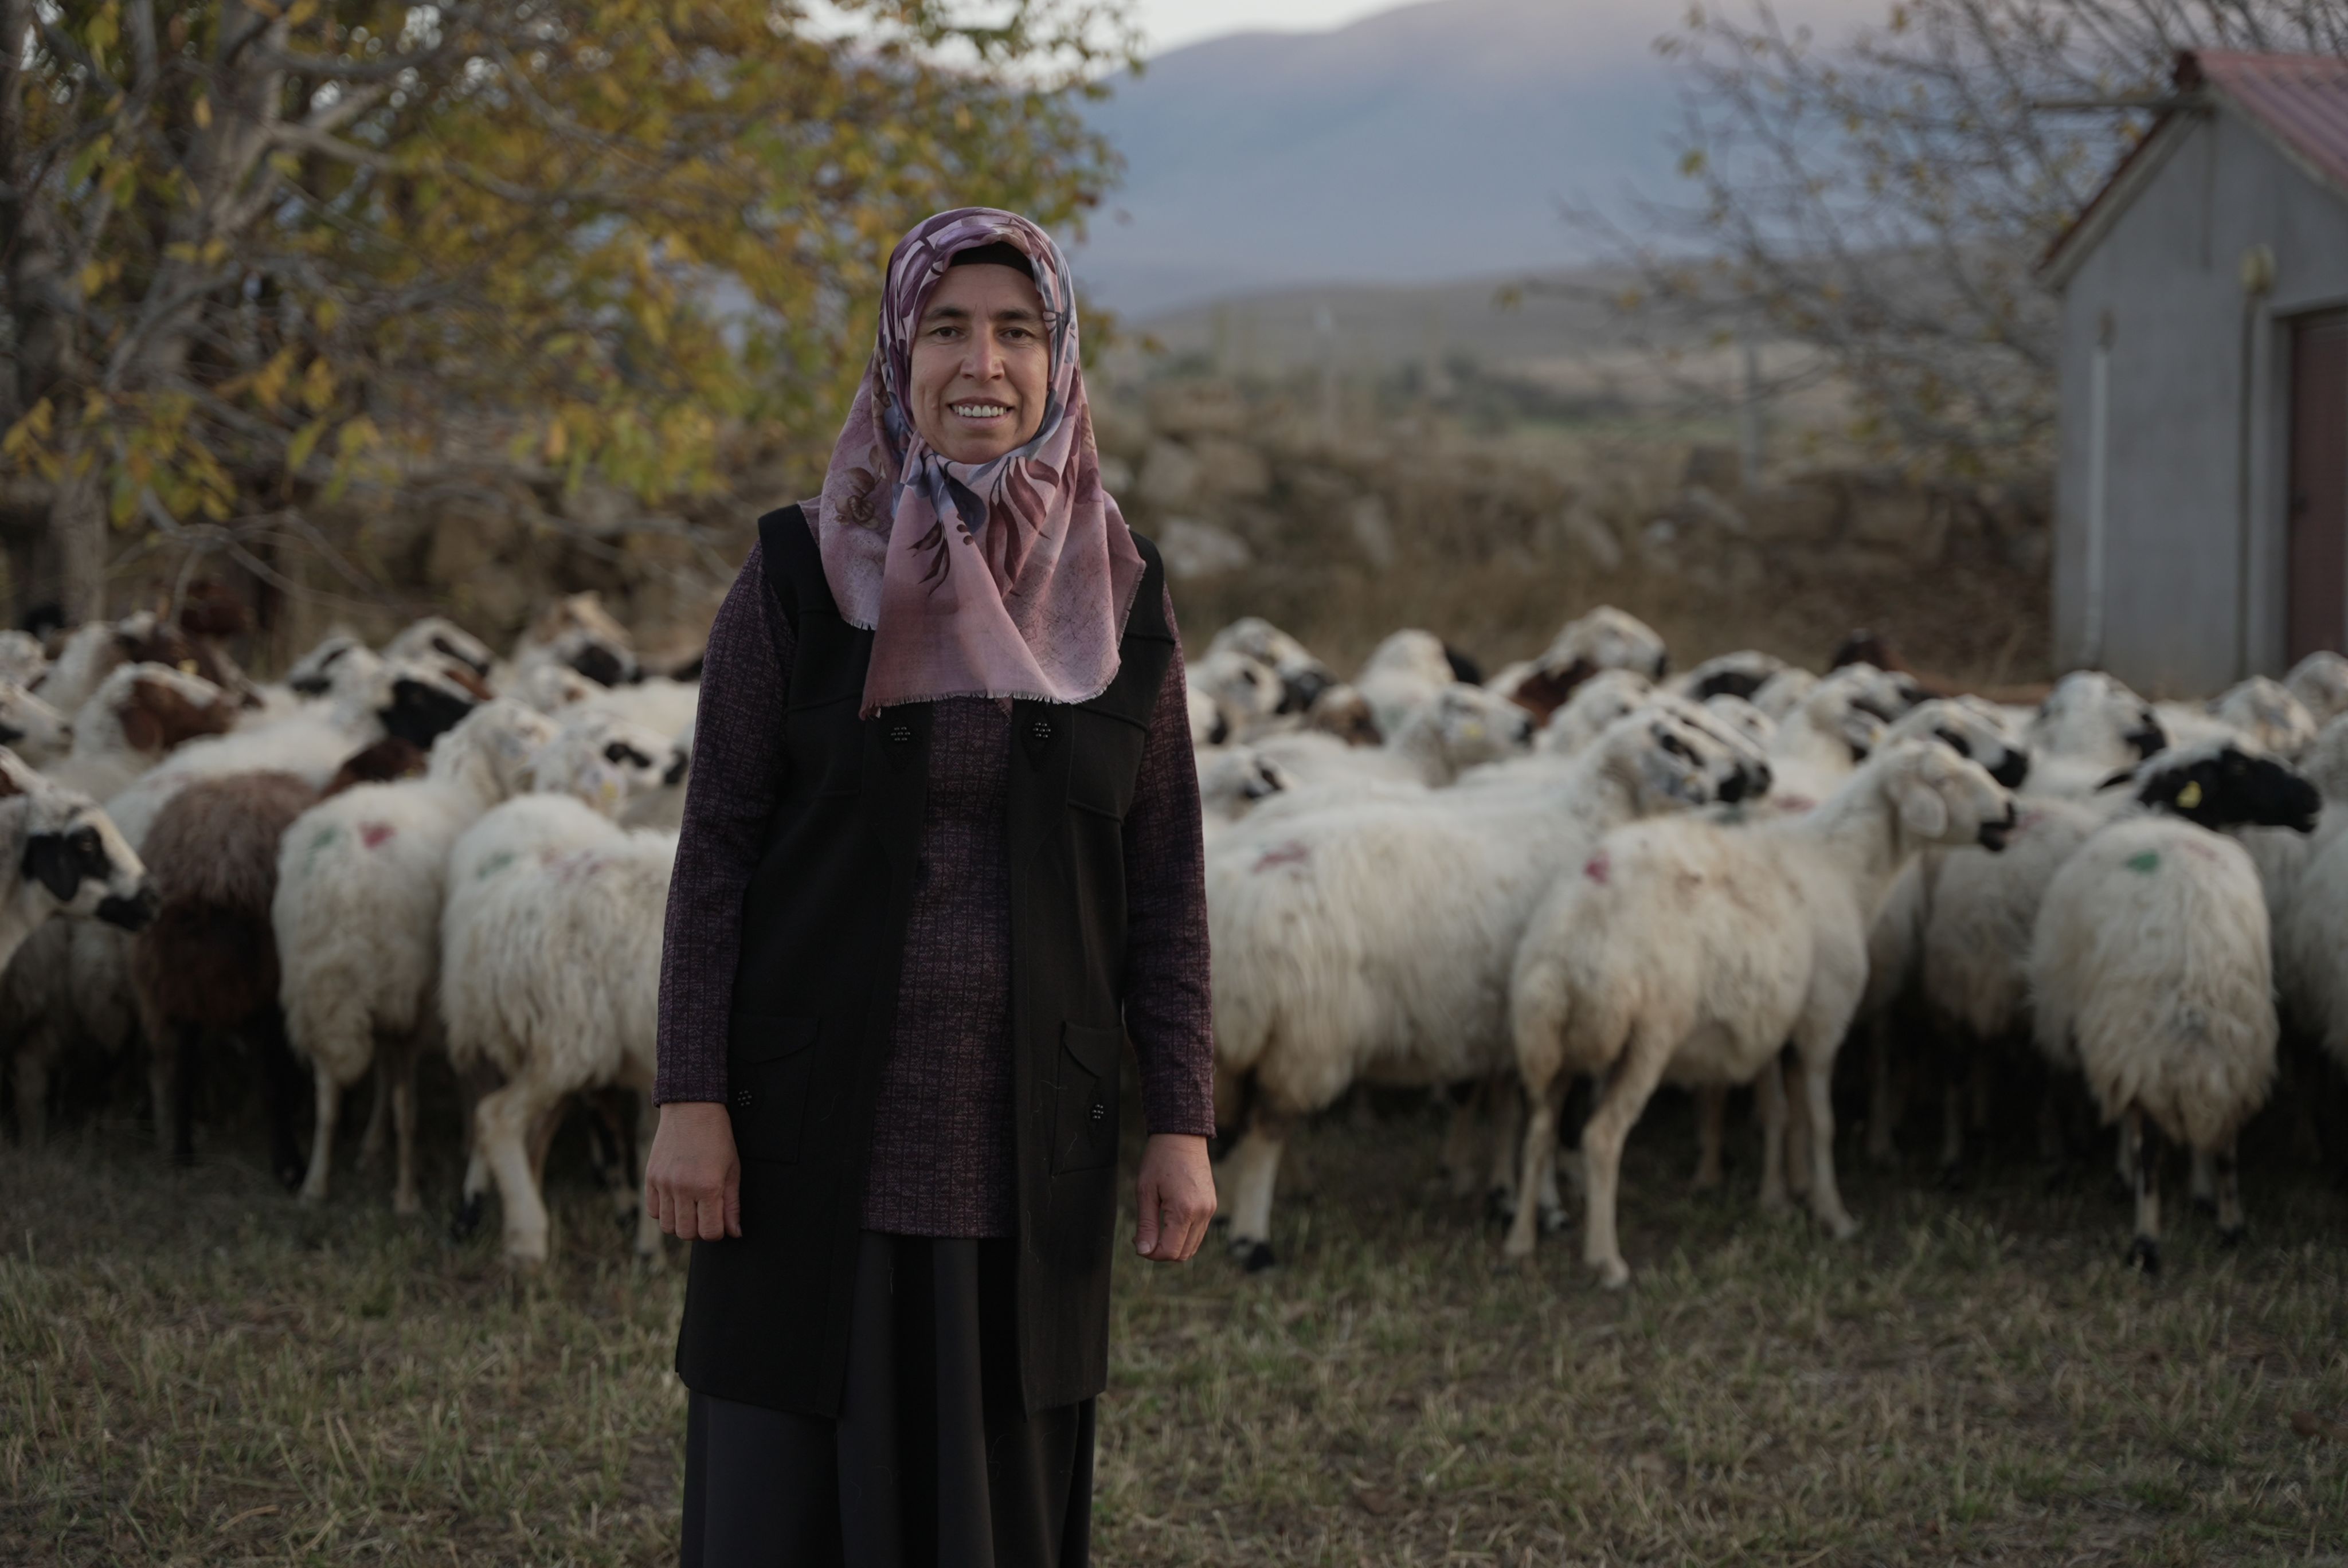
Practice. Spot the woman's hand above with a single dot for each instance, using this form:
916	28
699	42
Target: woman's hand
1177	1197
693	1179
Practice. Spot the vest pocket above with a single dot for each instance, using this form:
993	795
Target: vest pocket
1084	1114
768	1064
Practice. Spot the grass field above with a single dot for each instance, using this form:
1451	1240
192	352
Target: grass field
194	1370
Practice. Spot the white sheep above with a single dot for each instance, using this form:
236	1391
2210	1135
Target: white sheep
578	632
31	728
1403	675
2320	681
2260	714
2151	970
1369	941
361	880
139	715
437	635
1302	676
1232	780
1778	695
1462	727
1245	693
1697	950
1605	639
2090	726
22	658
1738	674
1593	709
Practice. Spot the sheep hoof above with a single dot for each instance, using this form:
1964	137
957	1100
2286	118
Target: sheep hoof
466	1219
1555	1221
2144	1253
2230	1236
1254	1258
1613	1273
1843	1229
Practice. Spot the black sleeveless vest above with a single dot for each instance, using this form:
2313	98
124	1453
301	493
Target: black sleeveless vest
823	935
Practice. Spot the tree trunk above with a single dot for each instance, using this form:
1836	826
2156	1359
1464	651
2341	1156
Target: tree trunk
78	533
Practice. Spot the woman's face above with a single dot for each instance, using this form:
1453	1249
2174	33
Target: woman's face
981	368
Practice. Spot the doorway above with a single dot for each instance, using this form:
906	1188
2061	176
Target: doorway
2317	495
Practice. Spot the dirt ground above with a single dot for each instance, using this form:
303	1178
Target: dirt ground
194	1369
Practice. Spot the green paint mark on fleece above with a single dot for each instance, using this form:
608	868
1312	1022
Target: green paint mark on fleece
326	836
493	864
2145	864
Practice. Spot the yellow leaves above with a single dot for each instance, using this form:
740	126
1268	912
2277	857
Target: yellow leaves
201	111
1692	162
305	442
96	275
318	386
268	385
558	440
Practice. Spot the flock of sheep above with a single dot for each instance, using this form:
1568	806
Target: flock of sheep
1584	870
1581	870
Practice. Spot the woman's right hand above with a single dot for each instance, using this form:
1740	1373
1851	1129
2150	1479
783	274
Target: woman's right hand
692	1179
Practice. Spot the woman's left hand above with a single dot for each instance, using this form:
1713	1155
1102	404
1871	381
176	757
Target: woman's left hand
1178	1197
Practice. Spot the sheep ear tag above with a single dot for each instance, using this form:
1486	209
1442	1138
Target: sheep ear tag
2191	795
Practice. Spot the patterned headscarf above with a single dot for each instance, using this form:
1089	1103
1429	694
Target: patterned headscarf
1007	579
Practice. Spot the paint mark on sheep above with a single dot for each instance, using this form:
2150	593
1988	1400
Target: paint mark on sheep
1292	853
375	834
493	864
1598	868
2145	863
319	846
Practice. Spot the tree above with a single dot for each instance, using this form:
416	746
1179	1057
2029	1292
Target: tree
1886	200
255	254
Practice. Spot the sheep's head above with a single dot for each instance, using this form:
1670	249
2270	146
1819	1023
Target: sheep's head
1466	725
1600	701
2094	717
1609	638
1245	690
492	747
607	761
1848	706
1409	652
421	701
2266	715
146	638
2321	681
1233	782
1731	675
1302	676
2219	785
314	674
22	658
1970	728
1940	798
551	687
74	856
599	657
1742	717
34	729
1682	758
2324	764
1342	711
155	709
1784	692
436	636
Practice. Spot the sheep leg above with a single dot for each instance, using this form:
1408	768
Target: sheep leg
282	1088
398	1066
1797	1127
542	1139
2229	1177
329	1098
32	1066
1769	1095
371	1140
506	1125
1506	1098
1255	1168
2204	1184
1460	1135
1711	1136
1884	1091
1539	1159
2144	1250
1825	1193
1627	1093
2131	1152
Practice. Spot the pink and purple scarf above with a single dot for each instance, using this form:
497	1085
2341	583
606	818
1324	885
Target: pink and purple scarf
1008	579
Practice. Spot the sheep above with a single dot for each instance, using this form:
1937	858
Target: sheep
1781	693
1736	674
550	969
1403	675
1462	727
1232	780
29	727
421	640
1829	731
1747	719
2151	972
1605	639
576	631
139	714
1208	727
1302	676
1342	711
2089	726
23	661
2260	714
361	878
1245	693
94	650
1594	706
1697	950
208	960
1369	941
2320	681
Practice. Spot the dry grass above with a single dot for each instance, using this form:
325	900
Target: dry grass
194	1370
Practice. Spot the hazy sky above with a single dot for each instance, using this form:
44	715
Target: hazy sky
1172	23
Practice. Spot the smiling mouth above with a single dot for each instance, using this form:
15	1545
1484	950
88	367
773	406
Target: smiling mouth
978	410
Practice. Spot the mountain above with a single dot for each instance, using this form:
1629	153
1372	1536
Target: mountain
1431	142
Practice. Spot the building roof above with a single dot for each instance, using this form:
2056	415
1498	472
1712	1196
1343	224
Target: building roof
2298	102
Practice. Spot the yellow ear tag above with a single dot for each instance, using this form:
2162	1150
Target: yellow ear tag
610	789
2191	795
1475	732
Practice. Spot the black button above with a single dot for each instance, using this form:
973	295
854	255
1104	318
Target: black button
1042	731
741	1099
1099	1109
901	734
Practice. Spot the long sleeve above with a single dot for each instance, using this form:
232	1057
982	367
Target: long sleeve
1168	1009
738	765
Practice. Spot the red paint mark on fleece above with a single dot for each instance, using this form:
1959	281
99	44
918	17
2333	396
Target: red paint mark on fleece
1292	853
375	834
1598	868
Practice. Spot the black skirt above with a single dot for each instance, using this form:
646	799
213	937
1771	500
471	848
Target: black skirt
934	1460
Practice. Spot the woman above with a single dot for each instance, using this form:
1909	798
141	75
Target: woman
941	857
